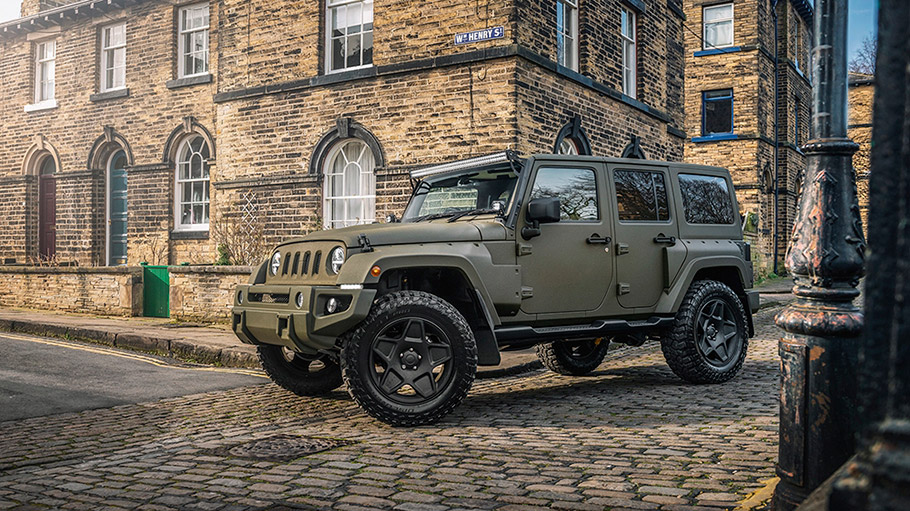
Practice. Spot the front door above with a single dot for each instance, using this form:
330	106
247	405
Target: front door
47	212
116	210
644	228
568	268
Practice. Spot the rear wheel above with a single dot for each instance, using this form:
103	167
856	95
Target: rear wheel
709	340
573	357
298	373
411	361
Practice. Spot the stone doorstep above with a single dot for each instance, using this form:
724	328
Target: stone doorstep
197	344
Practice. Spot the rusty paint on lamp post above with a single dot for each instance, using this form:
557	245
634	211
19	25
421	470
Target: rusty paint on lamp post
819	348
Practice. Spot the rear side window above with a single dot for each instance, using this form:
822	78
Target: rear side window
641	196
706	199
576	189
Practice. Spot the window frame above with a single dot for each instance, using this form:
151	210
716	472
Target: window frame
705	100
568	58
597	195
181	43
664	175
334	152
40	63
330	5
179	226
630	81
103	86
704	26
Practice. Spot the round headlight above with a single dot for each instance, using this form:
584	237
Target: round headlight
276	263
336	259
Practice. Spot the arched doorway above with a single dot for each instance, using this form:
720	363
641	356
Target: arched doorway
47	208
116	209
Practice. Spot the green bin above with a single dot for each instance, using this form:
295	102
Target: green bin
156	292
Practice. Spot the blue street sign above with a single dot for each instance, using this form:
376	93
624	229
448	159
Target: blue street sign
484	34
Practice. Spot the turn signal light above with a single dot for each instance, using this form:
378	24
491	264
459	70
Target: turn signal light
375	271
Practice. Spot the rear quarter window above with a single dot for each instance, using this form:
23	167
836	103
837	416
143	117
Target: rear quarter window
706	199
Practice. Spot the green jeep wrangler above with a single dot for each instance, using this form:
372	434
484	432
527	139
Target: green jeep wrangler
494	253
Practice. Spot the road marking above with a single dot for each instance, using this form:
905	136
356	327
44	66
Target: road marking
132	356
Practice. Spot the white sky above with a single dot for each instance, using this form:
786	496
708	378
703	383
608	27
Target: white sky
9	9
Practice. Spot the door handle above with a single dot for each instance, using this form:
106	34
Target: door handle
597	238
667	240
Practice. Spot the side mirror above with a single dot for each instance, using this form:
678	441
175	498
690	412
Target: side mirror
543	210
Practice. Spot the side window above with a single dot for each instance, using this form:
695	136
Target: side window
641	196
576	189
706	199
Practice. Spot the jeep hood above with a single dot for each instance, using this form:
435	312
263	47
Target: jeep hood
437	231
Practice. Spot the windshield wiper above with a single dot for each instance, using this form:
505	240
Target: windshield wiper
479	211
432	216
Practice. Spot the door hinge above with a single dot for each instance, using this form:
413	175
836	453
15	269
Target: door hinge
622	248
524	249
624	288
527	292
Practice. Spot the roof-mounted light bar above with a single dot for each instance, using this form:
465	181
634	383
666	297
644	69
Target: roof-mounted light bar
477	161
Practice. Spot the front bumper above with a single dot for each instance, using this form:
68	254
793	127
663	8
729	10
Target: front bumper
265	314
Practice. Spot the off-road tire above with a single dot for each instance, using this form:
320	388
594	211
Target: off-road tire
679	344
294	375
559	357
357	353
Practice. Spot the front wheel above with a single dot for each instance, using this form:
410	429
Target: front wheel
298	373
709	338
411	361
573	357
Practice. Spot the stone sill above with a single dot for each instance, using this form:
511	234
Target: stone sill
715	138
189	81
718	51
50	270
224	270
44	105
111	94
190	235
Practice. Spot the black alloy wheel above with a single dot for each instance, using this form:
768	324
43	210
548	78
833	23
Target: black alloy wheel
576	357
411	361
301	374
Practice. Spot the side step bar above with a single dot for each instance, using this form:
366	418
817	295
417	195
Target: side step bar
526	335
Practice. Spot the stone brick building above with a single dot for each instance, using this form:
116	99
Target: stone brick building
741	56
859	128
142	130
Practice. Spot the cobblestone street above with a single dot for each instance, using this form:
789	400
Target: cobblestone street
632	435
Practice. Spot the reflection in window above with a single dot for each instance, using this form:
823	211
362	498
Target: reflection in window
350	34
641	196
575	188
567	33
706	199
193	184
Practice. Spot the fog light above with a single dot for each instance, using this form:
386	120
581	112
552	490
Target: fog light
299	300
239	296
331	305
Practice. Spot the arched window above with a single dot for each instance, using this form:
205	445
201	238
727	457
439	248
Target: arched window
572	139
191	193
567	146
350	185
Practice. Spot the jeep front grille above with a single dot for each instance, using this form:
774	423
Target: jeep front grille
302	264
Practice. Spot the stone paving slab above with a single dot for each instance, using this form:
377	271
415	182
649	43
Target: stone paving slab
629	436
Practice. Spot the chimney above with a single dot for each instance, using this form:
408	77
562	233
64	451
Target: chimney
30	7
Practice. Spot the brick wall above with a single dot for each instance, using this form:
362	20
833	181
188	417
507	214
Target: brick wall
104	291
860	96
205	293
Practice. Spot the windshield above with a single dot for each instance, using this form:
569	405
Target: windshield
471	191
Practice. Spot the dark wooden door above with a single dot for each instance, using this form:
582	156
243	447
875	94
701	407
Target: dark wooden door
47	216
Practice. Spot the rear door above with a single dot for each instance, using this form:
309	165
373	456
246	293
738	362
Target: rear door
644	227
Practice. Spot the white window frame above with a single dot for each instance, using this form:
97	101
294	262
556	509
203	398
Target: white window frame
332	5
179	183
704	26
368	199
108	49
629	52
182	32
567	52
44	67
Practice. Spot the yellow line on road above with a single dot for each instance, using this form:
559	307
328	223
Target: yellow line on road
132	356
